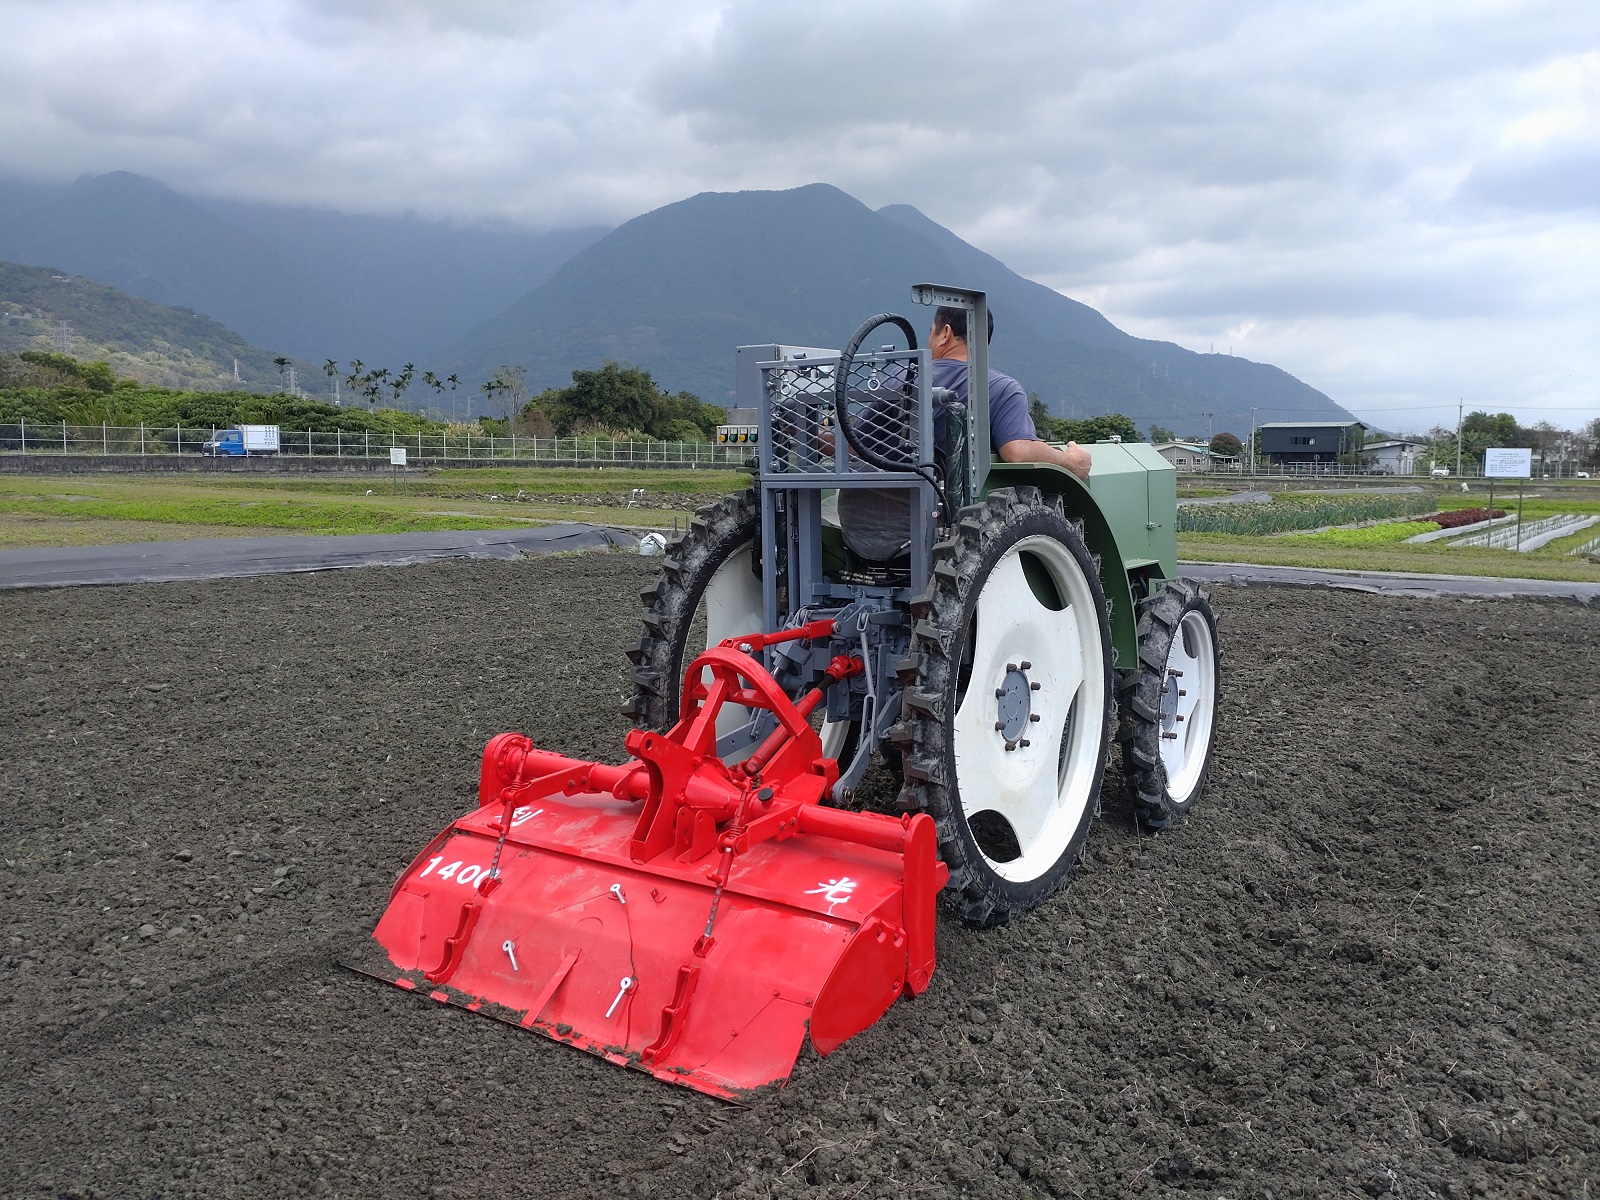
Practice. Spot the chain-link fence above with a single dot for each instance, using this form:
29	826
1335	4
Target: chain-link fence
29	437
1421	470
34	437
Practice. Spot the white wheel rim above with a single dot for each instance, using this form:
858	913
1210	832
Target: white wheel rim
835	735
732	605
732	600
1043	788
1188	691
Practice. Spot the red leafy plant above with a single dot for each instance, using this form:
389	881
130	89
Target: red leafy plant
1461	516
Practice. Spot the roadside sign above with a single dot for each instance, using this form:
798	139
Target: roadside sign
1501	463
397	456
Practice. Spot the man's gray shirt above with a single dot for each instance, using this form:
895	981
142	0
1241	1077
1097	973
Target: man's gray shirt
1008	403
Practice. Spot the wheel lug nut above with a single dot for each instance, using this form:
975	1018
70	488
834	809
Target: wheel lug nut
1026	665
1033	716
999	725
1033	687
1024	742
999	693
1011	667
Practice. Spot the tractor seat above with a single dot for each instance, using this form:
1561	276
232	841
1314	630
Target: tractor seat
843	557
875	522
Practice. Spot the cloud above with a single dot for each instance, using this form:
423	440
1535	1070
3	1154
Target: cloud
1414	177
1567	180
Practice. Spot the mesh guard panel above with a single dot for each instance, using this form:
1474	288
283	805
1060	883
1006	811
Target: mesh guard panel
881	413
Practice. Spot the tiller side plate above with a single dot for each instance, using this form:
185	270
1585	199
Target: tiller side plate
675	914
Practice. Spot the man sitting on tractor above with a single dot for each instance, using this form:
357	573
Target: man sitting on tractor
1011	432
875	521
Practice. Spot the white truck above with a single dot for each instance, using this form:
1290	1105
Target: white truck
243	440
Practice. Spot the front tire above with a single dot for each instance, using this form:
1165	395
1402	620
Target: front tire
1169	705
1007	703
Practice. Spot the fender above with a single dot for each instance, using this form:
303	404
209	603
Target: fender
1080	505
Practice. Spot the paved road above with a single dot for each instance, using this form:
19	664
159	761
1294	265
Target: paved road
222	558
1390	583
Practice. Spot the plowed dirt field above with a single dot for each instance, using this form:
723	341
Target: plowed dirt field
1365	967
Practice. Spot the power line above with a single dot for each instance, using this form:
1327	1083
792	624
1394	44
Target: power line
1319	411
1595	407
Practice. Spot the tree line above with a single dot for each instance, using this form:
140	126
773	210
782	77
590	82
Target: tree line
1085	430
611	401
1553	447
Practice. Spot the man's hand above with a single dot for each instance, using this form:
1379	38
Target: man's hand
1074	458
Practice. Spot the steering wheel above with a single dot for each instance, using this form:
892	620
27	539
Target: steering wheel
868	453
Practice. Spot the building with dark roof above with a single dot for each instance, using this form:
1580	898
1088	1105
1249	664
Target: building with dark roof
1286	442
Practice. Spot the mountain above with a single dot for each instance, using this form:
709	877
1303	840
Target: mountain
675	290
42	309
316	284
672	291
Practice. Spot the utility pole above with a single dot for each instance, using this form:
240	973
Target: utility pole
1459	407
1208	417
1252	441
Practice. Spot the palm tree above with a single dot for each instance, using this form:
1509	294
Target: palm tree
374	380
489	390
283	371
454	381
402	381
429	379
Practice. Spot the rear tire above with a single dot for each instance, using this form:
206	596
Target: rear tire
1169	705
1007	703
708	587
708	590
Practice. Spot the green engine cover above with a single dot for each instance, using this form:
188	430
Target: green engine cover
1129	511
1137	490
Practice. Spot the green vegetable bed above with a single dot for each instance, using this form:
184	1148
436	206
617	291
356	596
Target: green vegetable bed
1371	535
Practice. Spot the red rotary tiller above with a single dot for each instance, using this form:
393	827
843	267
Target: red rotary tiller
678	914
984	625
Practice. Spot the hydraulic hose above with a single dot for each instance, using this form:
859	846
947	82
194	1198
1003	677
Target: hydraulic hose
841	400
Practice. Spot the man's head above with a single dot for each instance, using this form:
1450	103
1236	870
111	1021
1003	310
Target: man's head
948	338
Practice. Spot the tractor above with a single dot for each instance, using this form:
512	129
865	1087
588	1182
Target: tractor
887	590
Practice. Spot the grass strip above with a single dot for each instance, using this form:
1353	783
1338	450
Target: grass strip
307	516
464	483
1431	559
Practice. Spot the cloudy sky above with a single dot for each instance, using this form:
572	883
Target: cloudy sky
1398	202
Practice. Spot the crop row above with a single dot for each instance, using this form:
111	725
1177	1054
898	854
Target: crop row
1524	535
1285	515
